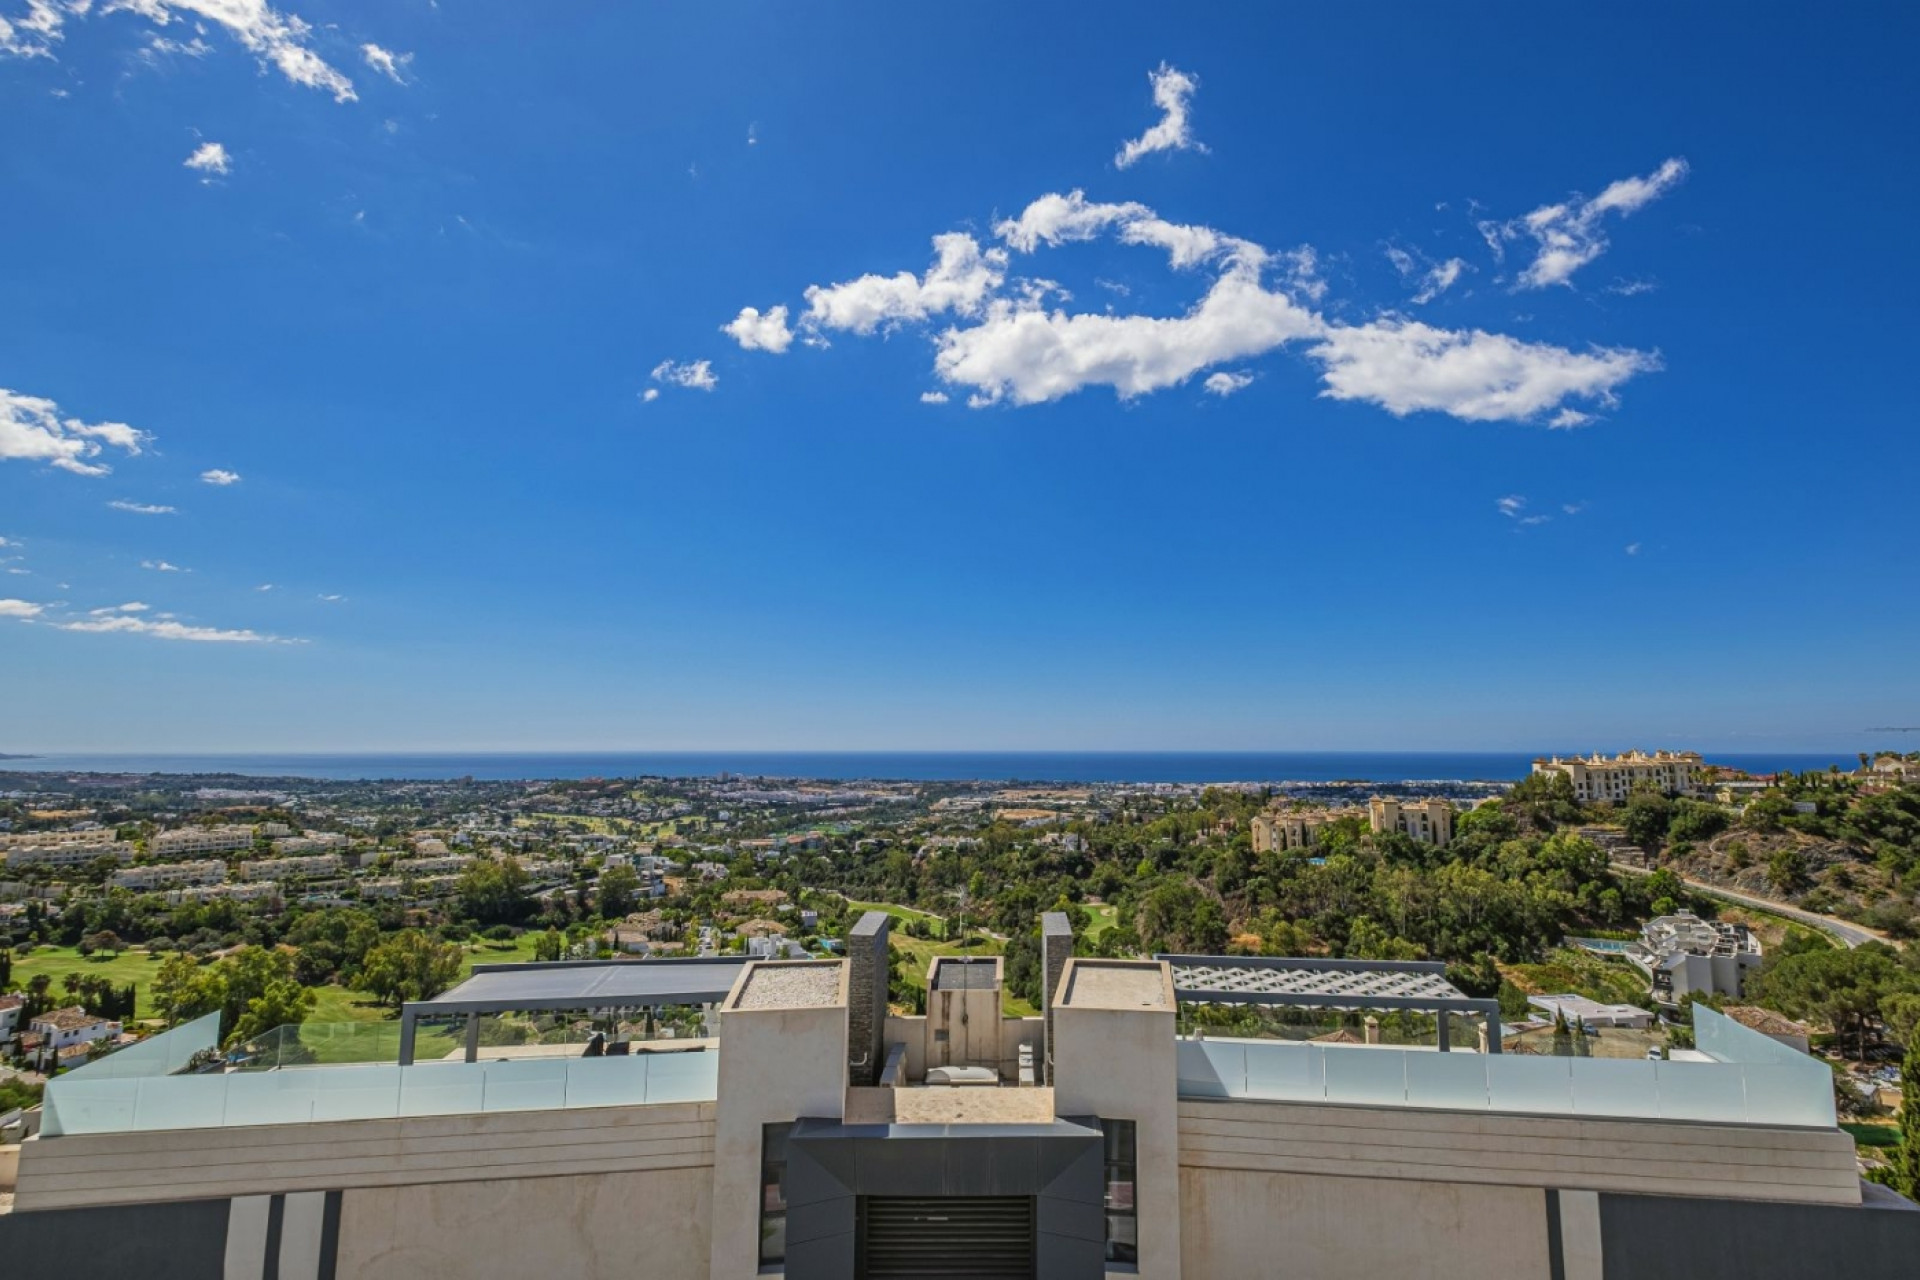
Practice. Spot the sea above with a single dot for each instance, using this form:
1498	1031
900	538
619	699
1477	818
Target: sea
910	766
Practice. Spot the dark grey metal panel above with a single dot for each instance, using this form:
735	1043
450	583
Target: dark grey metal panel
1675	1238
183	1240
581	984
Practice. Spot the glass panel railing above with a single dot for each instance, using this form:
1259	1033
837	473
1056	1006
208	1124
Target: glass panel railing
1796	1092
160	1055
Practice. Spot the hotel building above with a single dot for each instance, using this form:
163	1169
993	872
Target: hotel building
1599	779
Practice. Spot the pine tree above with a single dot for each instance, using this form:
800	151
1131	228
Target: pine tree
1906	1161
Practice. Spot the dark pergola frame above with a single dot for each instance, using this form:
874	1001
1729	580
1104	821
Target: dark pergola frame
1442	1005
720	972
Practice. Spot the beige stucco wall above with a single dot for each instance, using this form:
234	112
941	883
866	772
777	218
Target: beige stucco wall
971	1021
1239	1223
629	1226
776	1065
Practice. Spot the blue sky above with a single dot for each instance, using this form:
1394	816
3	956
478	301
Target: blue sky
1417	378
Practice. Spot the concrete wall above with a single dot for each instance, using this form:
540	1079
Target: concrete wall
9	1166
125	1168
1015	1032
1236	1223
621	1226
1671	1158
776	1065
970	1020
867	996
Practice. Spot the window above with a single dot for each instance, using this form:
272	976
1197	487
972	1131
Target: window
1123	1216
773	1192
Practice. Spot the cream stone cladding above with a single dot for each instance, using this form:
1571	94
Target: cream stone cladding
613	1226
1113	1058
776	1065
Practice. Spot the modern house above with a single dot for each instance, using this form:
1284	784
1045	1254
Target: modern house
793	1125
1682	954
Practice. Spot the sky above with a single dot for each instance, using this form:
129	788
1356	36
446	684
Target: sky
528	377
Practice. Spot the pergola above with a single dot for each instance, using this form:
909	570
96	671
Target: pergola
572	986
1298	982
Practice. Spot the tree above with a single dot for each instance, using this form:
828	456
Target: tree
284	1002
619	892
1906	1161
184	990
1843	988
409	965
248	973
1787	870
1646	817
549	945
106	940
494	892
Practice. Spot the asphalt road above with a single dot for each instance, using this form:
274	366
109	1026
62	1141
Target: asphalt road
1846	931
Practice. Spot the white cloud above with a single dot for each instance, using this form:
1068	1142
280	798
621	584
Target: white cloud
1511	506
332	597
1405	366
165	629
1225	383
1173	91
1631	288
1633	548
220	477
142	508
1014	339
1431	278
697	374
1569	235
1573	508
20	608
960	279
210	158
933	397
753	135
8	542
31	429
650	395
132	606
161	566
1568	419
388	63
265	586
755	331
279	40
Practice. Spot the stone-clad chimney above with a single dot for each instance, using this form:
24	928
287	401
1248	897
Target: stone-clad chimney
867	998
1056	945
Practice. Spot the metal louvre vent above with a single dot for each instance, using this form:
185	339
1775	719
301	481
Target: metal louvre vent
979	1237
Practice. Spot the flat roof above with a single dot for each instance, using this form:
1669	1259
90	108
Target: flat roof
1314	982
1114	984
587	984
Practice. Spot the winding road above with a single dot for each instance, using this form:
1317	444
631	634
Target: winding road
1845	930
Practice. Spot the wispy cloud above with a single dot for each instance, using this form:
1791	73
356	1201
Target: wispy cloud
1431	279
697	374
933	397
33	429
1226	383
1571	234
142	508
650	395
1514	508
132	606
1633	548
332	597
219	477
388	63
210	159
161	566
168	629
1173	92
265	586
22	609
278	40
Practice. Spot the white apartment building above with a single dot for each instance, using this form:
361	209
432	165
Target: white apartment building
76	835
168	875
67	854
384	887
445	864
1599	779
251	891
320	864
1427	821
71	1026
168	844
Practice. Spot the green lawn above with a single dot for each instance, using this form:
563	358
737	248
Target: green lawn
1581	973
1103	919
900	913
920	953
57	962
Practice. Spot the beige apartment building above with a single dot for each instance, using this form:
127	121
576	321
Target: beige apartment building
1278	830
796	1126
168	844
70	853
167	875
1599	779
1426	821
